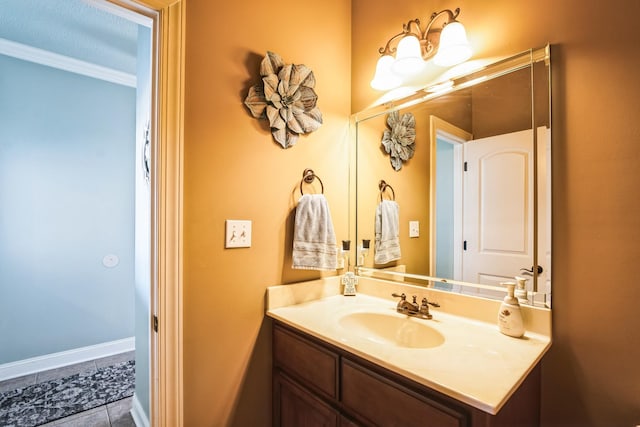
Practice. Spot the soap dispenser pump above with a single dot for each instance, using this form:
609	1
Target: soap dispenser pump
510	316
521	290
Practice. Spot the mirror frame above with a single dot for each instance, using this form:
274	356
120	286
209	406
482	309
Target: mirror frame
432	91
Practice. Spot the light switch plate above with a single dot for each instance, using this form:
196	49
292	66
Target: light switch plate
414	228
238	233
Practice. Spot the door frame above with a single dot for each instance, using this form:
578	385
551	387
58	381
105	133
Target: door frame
439	128
167	142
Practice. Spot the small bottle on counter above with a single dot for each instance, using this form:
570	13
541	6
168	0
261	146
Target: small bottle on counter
510	316
521	290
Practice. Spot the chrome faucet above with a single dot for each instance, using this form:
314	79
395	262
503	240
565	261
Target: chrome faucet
412	308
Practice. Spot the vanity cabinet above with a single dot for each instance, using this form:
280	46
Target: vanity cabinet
299	407
318	384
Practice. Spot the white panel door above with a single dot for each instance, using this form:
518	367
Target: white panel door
498	209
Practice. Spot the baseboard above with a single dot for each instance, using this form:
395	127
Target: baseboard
65	358
138	414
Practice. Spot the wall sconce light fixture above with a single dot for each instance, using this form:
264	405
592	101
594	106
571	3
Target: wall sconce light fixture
447	45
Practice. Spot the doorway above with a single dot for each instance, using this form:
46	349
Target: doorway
446	200
66	179
166	183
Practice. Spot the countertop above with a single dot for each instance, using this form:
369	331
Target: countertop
475	363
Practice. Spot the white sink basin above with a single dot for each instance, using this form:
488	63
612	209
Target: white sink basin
392	329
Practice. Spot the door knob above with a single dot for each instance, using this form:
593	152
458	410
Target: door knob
529	272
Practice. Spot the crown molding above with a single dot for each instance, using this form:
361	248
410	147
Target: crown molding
66	63
122	12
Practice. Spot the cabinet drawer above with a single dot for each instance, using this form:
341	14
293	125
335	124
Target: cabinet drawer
384	402
305	361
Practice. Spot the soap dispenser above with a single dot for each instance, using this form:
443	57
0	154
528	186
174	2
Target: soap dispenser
510	316
521	290
363	251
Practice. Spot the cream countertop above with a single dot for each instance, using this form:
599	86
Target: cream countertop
475	364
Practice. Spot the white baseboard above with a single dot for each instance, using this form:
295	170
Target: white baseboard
138	414
65	358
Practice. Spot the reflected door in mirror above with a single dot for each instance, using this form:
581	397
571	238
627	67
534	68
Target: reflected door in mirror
498	209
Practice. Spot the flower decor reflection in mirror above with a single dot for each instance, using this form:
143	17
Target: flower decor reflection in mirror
286	98
399	140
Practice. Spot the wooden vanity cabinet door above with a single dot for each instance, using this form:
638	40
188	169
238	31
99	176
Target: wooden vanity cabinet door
312	365
346	422
296	407
383	402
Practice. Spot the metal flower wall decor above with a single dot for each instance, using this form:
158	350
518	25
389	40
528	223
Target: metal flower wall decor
286	98
399	140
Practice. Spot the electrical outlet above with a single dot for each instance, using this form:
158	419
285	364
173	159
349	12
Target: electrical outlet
414	228
110	260
238	234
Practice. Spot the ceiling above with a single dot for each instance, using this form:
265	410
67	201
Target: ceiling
74	28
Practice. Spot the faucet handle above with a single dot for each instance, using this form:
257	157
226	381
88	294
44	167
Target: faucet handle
426	303
424	309
403	297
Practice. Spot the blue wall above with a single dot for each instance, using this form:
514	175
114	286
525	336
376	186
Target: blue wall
444	211
66	200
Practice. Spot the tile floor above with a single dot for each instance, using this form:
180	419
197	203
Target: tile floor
114	414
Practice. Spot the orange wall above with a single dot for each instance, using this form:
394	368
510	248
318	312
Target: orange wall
234	170
591	376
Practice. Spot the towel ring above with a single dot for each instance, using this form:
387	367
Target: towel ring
308	176
383	186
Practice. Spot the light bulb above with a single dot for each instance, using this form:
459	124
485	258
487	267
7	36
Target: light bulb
385	79
454	47
408	57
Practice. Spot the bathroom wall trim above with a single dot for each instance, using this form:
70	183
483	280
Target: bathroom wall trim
65	358
167	143
122	12
66	63
137	413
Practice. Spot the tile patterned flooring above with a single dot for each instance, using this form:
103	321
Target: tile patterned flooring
114	414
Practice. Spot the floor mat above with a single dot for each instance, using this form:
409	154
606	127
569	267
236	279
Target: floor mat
48	401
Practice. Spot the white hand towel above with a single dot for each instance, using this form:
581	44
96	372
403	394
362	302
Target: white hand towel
314	242
387	247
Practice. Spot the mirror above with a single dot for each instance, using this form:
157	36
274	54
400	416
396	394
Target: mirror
473	202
